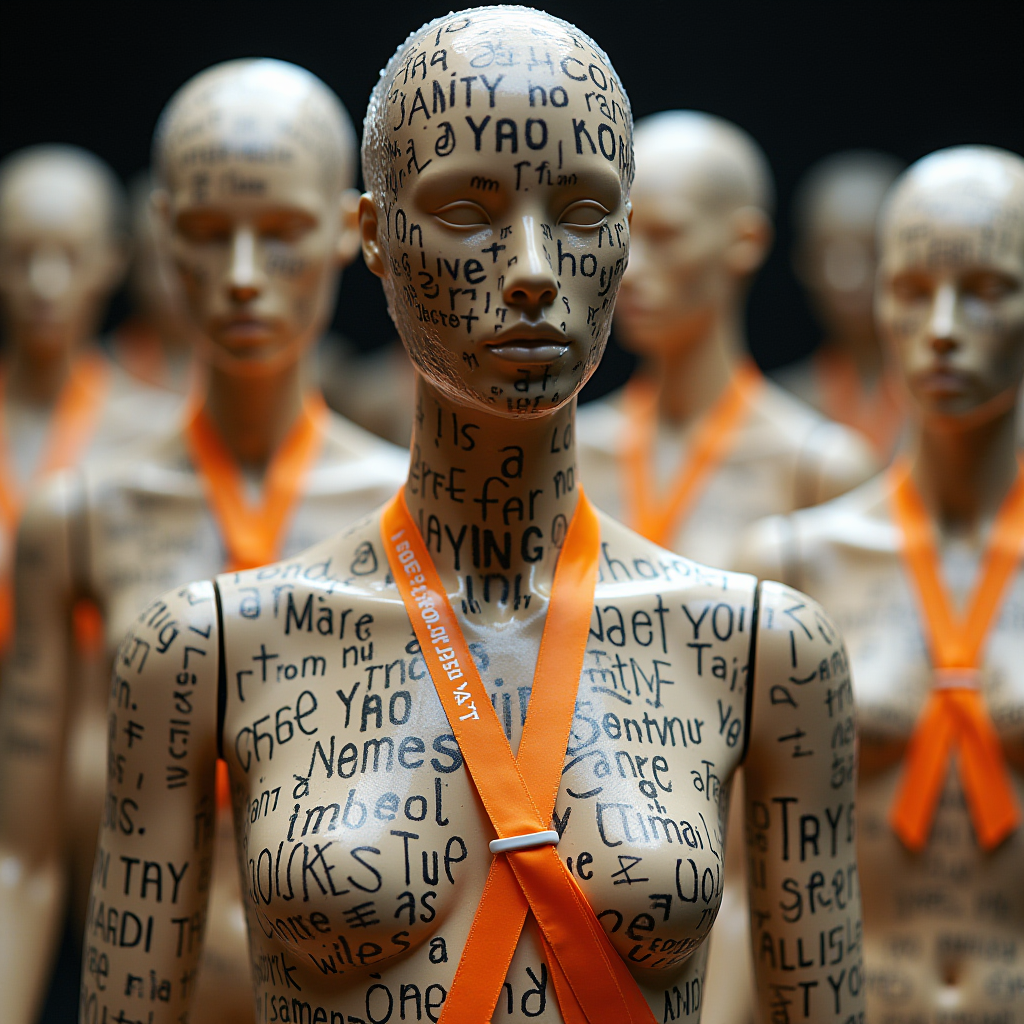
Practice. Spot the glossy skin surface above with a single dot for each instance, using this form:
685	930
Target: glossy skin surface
362	845
701	227
943	929
123	531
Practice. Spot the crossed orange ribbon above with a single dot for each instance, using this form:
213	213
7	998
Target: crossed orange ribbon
954	716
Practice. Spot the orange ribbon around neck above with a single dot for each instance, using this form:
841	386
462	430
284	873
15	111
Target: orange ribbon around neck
73	422
878	415
954	715
253	534
518	792
715	435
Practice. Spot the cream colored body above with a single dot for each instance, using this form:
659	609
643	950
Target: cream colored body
944	930
120	533
352	926
784	457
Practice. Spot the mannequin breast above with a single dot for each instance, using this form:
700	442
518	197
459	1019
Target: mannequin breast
944	929
364	846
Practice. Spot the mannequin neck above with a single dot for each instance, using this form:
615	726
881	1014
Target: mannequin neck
254	413
488	492
36	374
964	474
693	376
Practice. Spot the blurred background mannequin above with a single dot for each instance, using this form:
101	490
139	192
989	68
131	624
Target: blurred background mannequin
257	470
835	211
699	417
699	428
154	344
374	389
909	565
62	254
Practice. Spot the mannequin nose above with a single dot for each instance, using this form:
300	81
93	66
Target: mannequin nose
242	284
942	322
49	274
530	282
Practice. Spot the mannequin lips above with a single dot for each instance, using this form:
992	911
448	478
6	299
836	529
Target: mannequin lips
244	331
943	382
530	343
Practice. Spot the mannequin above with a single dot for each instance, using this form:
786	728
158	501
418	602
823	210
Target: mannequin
836	208
62	253
259	269
942	897
701	228
373	389
155	344
365	788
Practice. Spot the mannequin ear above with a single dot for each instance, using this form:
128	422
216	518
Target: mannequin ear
368	225
160	206
348	228
752	239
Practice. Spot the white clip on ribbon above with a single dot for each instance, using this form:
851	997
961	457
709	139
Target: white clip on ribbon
956	679
523	842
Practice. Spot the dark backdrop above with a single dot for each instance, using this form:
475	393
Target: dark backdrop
805	79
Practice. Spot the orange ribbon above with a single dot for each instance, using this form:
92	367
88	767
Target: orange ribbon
518	792
252	534
714	437
72	425
878	415
954	716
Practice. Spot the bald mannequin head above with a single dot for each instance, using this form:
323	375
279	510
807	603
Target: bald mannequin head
702	204
62	246
835	257
254	159
497	152
950	295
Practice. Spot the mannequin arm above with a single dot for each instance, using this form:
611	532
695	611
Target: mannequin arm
802	869
147	904
33	726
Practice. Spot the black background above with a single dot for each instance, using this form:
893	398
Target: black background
805	79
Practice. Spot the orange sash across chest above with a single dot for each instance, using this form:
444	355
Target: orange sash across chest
591	981
954	716
715	435
878	415
72	425
252	534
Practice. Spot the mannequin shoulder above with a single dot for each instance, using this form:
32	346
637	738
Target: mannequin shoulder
153	465
631	564
782	547
352	562
831	458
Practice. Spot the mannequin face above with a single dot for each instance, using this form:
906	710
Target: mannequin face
58	258
692	250
257	245
836	257
504	234
951	296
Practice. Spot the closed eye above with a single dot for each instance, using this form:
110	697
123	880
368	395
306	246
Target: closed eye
463	213
587	213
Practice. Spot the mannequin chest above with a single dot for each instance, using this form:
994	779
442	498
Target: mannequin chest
350	789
